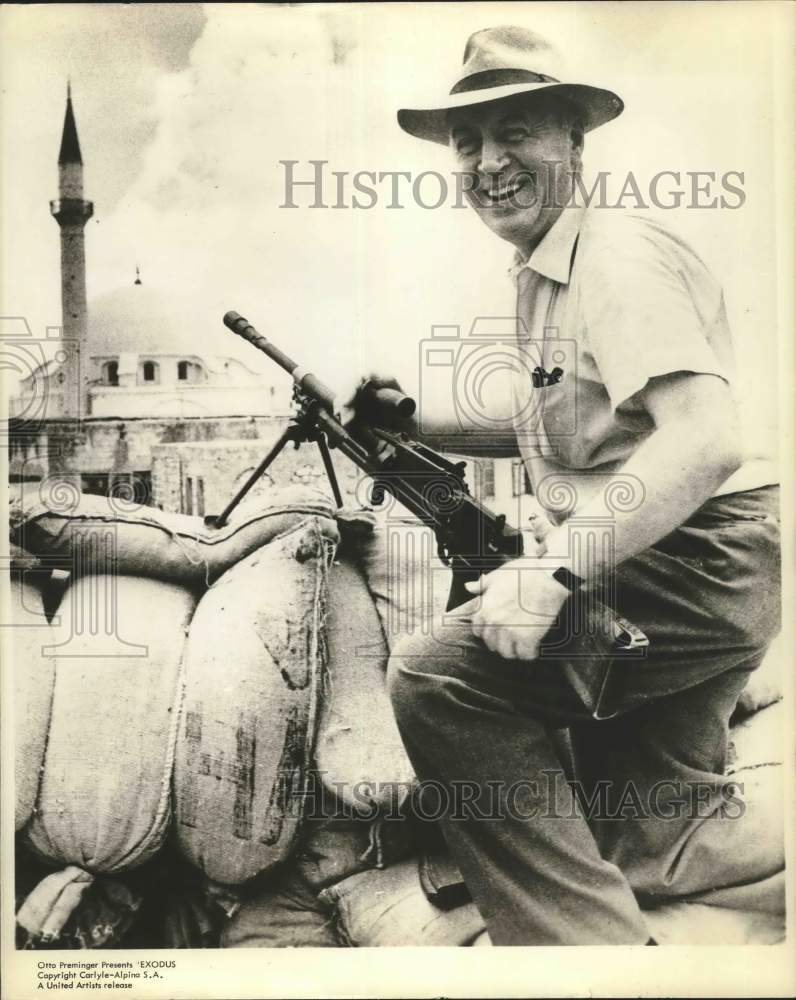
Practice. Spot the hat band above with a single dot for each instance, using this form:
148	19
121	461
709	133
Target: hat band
499	78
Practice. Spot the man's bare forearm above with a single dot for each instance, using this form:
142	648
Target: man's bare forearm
452	439
679	467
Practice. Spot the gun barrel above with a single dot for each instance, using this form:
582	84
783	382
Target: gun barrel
305	380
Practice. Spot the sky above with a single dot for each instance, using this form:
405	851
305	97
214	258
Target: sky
185	111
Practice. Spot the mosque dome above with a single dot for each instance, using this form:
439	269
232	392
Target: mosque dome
148	320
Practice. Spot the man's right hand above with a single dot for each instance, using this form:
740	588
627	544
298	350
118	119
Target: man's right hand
359	406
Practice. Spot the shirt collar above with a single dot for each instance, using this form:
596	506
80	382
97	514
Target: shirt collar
552	257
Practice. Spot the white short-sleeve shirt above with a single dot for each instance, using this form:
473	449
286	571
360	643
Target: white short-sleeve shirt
607	301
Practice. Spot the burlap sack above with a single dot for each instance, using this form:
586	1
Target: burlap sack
406	579
78	911
758	740
252	685
336	841
92	531
359	754
27	638
389	908
757	755
698	923
103	803
282	912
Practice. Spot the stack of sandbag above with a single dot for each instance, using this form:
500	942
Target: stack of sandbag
282	909
29	643
407	581
359	753
389	908
252	683
277	694
144	541
273	703
104	711
363	775
103	798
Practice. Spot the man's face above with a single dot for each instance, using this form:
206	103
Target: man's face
520	163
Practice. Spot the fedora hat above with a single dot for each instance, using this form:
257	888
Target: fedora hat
500	63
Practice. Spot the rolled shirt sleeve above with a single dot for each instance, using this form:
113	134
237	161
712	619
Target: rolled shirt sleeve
650	307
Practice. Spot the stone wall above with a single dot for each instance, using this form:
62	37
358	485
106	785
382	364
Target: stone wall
190	400
222	467
114	445
214	471
216	454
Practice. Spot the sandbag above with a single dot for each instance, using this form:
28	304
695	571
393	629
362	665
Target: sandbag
149	542
337	842
765	684
758	740
359	753
406	579
252	685
389	908
22	561
78	911
103	803
698	924
28	641
280	912
739	915
757	755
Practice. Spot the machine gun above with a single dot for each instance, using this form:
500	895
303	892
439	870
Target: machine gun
471	539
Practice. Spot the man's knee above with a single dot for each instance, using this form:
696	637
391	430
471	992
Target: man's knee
419	667
411	662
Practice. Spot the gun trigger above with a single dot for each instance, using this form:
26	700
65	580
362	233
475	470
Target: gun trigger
443	554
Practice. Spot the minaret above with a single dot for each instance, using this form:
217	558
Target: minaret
72	212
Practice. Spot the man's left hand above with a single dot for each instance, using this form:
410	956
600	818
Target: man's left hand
518	607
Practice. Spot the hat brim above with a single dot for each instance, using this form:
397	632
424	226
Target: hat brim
598	106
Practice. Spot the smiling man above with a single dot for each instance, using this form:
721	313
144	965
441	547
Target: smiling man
523	158
644	402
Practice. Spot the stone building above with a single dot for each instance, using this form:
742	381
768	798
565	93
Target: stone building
148	398
132	369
